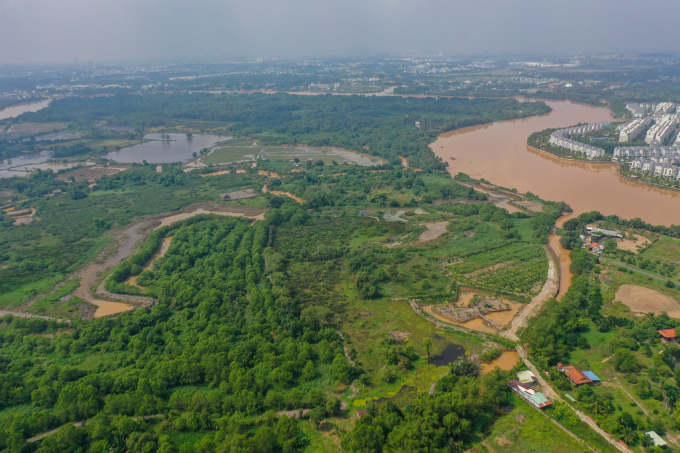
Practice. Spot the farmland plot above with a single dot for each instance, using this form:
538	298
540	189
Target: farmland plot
518	267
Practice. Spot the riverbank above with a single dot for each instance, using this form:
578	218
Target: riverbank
498	152
639	180
569	159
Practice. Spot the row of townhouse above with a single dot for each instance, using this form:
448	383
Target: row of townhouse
664	108
631	130
646	151
561	138
639	110
666	167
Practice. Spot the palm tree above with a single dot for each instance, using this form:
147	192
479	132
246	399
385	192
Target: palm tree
628	435
428	345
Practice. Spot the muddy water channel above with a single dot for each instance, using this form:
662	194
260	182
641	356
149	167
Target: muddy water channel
16	110
498	152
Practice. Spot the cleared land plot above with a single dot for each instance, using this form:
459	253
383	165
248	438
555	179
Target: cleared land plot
239	194
530	205
630	245
231	154
434	230
327	155
645	300
27	129
92	173
57	136
524	430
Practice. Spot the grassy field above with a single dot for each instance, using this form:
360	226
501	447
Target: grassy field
229	154
614	276
524	430
327	155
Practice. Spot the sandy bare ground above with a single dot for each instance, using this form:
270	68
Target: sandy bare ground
434	230
632	246
280	192
163	249
550	289
645	300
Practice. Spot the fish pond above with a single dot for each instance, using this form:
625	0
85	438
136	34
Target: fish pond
178	148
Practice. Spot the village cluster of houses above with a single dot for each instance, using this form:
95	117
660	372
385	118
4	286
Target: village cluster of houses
561	138
522	386
592	240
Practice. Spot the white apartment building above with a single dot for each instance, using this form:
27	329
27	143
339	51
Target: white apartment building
633	129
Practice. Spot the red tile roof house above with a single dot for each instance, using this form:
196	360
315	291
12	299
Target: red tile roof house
668	335
574	374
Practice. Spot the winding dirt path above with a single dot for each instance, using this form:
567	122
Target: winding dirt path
550	290
109	304
21	314
280	192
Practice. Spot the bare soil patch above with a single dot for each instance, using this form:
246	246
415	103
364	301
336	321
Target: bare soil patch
92	172
434	230
505	362
238	194
632	246
400	335
644	300
530	206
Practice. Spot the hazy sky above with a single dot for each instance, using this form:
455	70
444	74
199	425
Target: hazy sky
61	30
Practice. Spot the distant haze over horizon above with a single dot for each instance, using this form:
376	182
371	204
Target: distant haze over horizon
45	31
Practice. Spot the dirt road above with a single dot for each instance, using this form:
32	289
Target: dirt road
108	303
21	314
549	290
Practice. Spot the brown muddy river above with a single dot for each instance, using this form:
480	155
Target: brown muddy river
498	153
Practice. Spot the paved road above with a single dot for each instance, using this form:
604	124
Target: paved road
663	279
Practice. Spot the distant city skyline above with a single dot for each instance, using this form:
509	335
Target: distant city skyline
44	31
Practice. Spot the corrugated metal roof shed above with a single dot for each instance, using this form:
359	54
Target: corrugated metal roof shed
539	400
658	441
592	376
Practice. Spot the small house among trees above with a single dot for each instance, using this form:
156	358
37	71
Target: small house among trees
528	394
578	377
668	335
